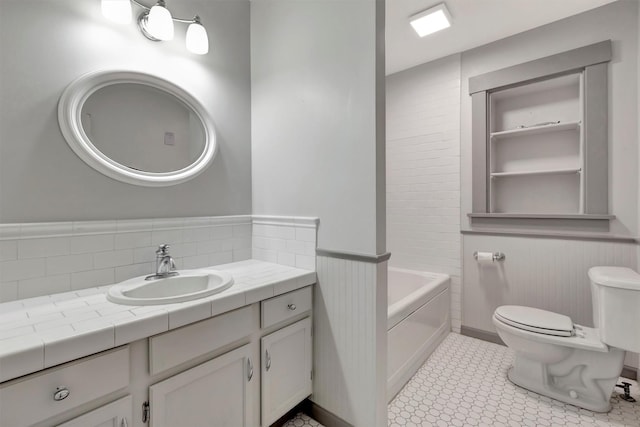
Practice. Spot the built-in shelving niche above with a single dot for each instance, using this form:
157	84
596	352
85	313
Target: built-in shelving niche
540	138
535	147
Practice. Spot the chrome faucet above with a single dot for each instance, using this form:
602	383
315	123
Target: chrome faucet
165	265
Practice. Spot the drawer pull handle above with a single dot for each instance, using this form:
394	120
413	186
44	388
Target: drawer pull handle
268	361
291	307
124	423
61	393
250	369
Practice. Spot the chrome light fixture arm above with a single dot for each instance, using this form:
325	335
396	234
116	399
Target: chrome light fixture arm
144	15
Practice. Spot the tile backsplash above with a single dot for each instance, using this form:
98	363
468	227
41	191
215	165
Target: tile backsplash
46	258
288	241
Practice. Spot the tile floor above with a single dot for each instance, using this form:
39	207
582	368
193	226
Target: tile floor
464	383
302	420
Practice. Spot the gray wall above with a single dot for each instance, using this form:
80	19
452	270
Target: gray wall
44	45
317	146
616	21
551	273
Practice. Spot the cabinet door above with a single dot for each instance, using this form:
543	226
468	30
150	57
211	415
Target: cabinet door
215	393
286	369
114	414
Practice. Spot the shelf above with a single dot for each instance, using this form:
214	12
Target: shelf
553	234
537	172
542	216
534	130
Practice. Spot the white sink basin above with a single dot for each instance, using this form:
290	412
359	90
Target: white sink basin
186	286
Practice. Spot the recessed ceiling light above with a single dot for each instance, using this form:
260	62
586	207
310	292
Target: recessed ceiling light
431	20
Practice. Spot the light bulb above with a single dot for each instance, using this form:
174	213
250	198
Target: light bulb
118	11
159	22
197	41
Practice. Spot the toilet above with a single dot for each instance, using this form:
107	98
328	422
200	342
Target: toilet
572	363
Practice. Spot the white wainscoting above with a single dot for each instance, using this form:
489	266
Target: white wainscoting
350	317
546	273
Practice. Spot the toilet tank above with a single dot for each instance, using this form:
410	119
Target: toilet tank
615	293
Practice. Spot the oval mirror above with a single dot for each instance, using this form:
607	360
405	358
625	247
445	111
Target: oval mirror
136	127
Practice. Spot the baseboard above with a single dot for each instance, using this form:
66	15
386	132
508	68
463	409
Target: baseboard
300	407
325	417
627	371
481	335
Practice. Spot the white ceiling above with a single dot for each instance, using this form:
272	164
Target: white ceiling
475	23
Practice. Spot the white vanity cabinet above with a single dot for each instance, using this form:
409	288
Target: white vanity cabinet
114	414
215	393
265	374
286	369
207	373
285	353
33	399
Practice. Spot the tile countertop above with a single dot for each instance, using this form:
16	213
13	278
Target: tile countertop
38	333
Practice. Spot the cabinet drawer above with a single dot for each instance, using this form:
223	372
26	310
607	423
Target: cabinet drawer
175	347
283	307
118	413
30	400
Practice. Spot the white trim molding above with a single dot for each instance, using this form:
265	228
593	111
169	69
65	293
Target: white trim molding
292	221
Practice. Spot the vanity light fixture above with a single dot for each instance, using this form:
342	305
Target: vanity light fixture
431	20
197	40
156	23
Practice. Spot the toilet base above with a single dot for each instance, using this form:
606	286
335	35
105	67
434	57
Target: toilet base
585	379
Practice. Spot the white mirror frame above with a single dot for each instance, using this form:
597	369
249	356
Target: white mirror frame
69	118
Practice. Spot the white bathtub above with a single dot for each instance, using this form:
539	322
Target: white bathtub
418	321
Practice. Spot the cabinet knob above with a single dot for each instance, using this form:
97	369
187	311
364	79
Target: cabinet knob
291	307
61	393
249	369
267	360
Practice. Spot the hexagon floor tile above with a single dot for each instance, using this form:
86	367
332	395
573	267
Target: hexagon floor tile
302	420
464	383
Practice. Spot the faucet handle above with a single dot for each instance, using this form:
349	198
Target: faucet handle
163	249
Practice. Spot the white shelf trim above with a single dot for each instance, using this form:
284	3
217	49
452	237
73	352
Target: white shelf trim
537	172
533	130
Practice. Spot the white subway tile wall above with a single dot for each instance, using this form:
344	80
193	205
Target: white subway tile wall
423	172
47	258
286	241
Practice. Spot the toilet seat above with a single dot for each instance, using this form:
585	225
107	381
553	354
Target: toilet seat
535	320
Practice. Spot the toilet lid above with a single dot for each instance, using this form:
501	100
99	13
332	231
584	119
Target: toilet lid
535	320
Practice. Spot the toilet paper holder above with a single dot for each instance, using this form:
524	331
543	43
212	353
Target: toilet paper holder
496	256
